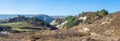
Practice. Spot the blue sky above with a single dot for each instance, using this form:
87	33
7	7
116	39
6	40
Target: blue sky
56	7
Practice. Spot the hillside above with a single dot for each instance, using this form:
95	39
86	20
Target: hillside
88	26
99	25
82	18
27	26
107	27
22	23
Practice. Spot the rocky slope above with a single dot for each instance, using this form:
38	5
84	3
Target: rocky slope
106	28
109	25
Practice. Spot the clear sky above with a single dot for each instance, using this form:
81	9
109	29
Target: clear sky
56	7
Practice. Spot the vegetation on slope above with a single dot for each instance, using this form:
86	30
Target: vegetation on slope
100	28
22	23
71	21
91	17
18	25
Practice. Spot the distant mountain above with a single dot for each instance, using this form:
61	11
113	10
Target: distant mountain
60	17
43	17
4	17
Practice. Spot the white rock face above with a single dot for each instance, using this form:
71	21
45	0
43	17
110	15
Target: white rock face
83	18
104	22
62	24
53	22
84	30
58	26
94	34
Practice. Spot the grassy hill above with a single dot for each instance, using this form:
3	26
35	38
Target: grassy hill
105	29
18	25
22	23
26	26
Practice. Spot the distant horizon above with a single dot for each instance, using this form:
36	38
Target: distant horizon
55	15
36	14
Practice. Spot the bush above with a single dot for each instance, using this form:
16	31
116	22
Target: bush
103	12
72	23
35	19
69	18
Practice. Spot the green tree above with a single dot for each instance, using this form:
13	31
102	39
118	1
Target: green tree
76	22
69	18
72	23
35	19
103	12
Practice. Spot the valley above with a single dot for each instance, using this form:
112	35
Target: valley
86	26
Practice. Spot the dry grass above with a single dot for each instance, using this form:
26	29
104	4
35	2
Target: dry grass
57	35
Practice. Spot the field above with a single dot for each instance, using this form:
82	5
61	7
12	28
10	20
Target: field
18	26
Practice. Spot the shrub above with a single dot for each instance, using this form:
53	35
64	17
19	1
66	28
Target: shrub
72	23
103	12
69	18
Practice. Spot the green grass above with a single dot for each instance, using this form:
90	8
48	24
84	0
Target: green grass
18	25
19	29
